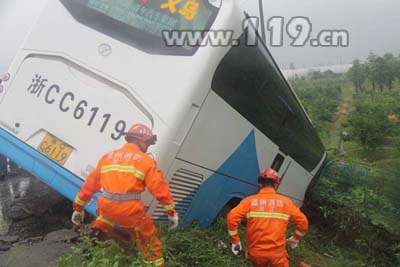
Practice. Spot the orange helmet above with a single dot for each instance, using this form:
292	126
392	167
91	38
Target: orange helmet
142	133
270	174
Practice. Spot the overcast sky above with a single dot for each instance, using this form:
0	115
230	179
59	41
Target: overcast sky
374	26
16	19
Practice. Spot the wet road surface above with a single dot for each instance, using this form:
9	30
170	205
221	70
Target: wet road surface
30	210
11	189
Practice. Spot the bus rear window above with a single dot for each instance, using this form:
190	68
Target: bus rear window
140	23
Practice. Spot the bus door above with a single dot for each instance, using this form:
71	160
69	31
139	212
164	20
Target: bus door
281	164
294	178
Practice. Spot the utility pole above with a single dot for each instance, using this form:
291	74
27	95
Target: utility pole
262	21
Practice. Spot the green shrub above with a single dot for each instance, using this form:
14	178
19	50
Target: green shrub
349	210
370	121
320	98
188	247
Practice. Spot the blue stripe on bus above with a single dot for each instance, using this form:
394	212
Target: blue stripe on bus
211	197
218	189
43	168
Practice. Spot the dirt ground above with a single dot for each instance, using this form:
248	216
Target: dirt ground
31	217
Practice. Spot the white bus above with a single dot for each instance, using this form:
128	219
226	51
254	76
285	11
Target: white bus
91	68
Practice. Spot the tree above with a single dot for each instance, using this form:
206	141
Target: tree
382	71
370	120
398	67
371	70
389	70
357	75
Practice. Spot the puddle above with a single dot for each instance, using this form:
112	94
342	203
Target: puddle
11	188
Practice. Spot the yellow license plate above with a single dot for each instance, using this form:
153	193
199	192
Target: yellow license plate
55	149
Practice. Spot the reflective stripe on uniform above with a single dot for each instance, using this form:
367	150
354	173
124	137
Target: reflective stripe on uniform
79	201
154	263
234	232
301	234
272	215
169	207
122	168
121	197
104	220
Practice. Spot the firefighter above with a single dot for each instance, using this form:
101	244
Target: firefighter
268	215
122	175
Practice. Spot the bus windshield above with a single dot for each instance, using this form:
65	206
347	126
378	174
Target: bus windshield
140	23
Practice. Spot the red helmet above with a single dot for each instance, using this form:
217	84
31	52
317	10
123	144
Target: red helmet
142	133
270	174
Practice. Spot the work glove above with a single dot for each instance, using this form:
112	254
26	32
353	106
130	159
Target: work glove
237	248
292	242
173	220
77	217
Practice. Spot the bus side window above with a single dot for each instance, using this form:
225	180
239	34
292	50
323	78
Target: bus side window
277	163
250	82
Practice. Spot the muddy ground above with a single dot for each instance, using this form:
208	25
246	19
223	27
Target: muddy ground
34	222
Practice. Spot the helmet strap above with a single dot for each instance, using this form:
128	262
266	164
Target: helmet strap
143	146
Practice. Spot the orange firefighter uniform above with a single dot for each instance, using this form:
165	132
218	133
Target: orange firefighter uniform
122	174
268	215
